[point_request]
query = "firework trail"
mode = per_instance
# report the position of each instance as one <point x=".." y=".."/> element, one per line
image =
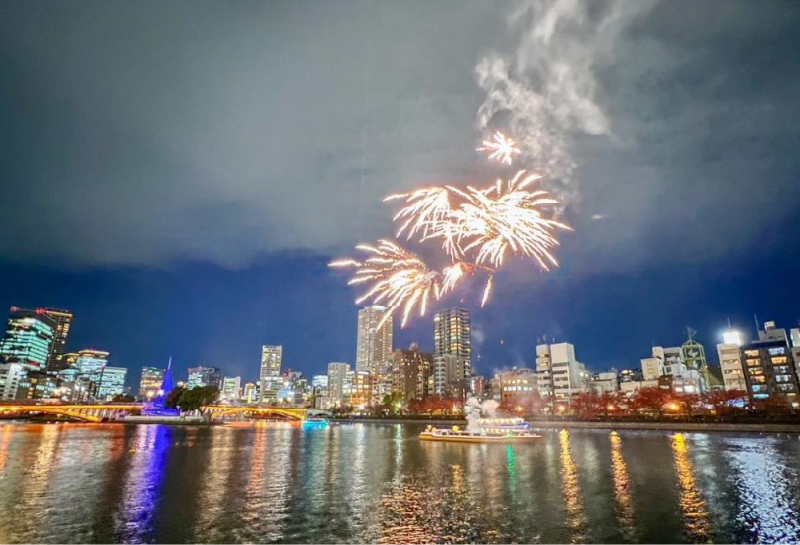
<point x="501" y="148"/>
<point x="478" y="229"/>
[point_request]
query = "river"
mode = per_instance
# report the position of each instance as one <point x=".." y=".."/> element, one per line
<point x="362" y="483"/>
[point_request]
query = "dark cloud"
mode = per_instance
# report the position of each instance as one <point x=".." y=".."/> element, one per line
<point x="144" y="133"/>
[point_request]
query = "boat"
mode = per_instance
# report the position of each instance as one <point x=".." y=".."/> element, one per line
<point x="483" y="434"/>
<point x="315" y="422"/>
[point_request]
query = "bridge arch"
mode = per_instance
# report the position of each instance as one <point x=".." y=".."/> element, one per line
<point x="292" y="414"/>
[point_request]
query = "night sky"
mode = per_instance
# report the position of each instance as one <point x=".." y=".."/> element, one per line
<point x="178" y="174"/>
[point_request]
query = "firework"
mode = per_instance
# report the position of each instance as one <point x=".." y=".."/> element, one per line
<point x="500" y="148"/>
<point x="478" y="229"/>
<point x="398" y="278"/>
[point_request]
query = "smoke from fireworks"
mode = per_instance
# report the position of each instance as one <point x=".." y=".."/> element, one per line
<point x="478" y="229"/>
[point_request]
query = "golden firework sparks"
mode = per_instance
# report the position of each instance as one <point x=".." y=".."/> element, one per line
<point x="500" y="148"/>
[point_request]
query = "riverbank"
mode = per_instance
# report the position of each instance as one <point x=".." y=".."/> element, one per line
<point x="643" y="425"/>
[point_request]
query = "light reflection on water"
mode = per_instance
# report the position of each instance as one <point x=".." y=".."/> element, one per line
<point x="378" y="483"/>
<point x="691" y="502"/>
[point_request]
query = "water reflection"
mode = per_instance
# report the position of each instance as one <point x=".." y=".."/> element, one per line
<point x="5" y="441"/>
<point x="215" y="480"/>
<point x="142" y="491"/>
<point x="622" y="489"/>
<point x="692" y="505"/>
<point x="769" y="508"/>
<point x="573" y="502"/>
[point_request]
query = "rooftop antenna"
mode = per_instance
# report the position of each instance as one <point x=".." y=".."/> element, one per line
<point x="729" y="323"/>
<point x="169" y="365"/>
<point x="755" y="317"/>
<point x="690" y="332"/>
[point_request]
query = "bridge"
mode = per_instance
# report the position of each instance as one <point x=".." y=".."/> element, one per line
<point x="112" y="411"/>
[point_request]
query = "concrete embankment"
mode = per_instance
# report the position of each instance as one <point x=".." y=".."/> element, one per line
<point x="663" y="426"/>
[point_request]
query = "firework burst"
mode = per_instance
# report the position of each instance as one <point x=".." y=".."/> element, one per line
<point x="500" y="148"/>
<point x="478" y="230"/>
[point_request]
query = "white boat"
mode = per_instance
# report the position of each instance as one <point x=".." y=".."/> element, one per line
<point x="484" y="434"/>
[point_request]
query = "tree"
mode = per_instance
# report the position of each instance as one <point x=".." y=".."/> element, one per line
<point x="172" y="398"/>
<point x="688" y="402"/>
<point x="652" y="399"/>
<point x="123" y="398"/>
<point x="197" y="398"/>
<point x="723" y="400"/>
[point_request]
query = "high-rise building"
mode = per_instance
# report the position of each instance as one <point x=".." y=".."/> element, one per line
<point x="357" y="388"/>
<point x="560" y="374"/>
<point x="231" y="388"/>
<point x="730" y="361"/>
<point x="27" y="339"/>
<point x="62" y="319"/>
<point x="112" y="382"/>
<point x="11" y="374"/>
<point x="320" y="384"/>
<point x="452" y="352"/>
<point x="249" y="393"/>
<point x="270" y="377"/>
<point x="90" y="362"/>
<point x="373" y="345"/>
<point x="150" y="382"/>
<point x="770" y="366"/>
<point x="204" y="376"/>
<point x="336" y="375"/>
<point x="411" y="370"/>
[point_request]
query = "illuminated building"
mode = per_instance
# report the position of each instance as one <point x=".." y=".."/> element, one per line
<point x="452" y="352"/>
<point x="652" y="368"/>
<point x="249" y="393"/>
<point x="337" y="372"/>
<point x="671" y="359"/>
<point x="694" y="355"/>
<point x="560" y="374"/>
<point x="150" y="382"/>
<point x="477" y="385"/>
<point x="27" y="339"/>
<point x="770" y="371"/>
<point x="320" y="384"/>
<point x="271" y="359"/>
<point x="730" y="361"/>
<point x="11" y="374"/>
<point x="204" y="376"/>
<point x="607" y="382"/>
<point x="37" y="385"/>
<point x="373" y="345"/>
<point x="231" y="388"/>
<point x="411" y="370"/>
<point x="91" y="361"/>
<point x="62" y="319"/>
<point x="112" y="382"/>
<point x="357" y="388"/>
<point x="517" y="386"/>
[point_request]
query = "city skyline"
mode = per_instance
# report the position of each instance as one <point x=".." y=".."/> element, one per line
<point x="206" y="250"/>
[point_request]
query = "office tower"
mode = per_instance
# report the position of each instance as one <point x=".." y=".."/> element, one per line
<point x="150" y="382"/>
<point x="373" y="345"/>
<point x="112" y="382"/>
<point x="336" y="376"/>
<point x="231" y="388"/>
<point x="27" y="339"/>
<point x="90" y="362"/>
<point x="452" y="352"/>
<point x="62" y="319"/>
<point x="559" y="374"/>
<point x="730" y="361"/>
<point x="411" y="370"/>
<point x="204" y="376"/>
<point x="271" y="358"/>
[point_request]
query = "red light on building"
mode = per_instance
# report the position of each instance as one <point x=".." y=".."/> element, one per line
<point x="40" y="311"/>
<point x="14" y="309"/>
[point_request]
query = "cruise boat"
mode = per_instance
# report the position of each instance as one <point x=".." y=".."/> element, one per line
<point x="487" y="433"/>
<point x="315" y="422"/>
<point x="504" y="423"/>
